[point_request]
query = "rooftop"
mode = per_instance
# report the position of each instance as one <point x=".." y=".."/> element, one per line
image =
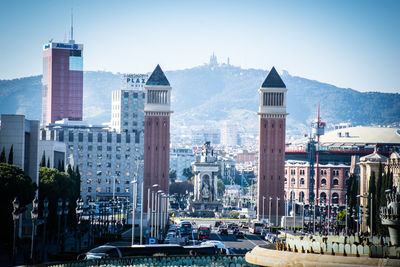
<point x="362" y="136"/>
<point x="273" y="80"/>
<point x="158" y="78"/>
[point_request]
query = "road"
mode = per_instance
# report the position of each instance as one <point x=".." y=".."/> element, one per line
<point x="236" y="246"/>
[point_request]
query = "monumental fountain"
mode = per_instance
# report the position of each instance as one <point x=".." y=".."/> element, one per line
<point x="204" y="202"/>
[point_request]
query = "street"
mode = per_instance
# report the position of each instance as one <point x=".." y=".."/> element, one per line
<point x="236" y="246"/>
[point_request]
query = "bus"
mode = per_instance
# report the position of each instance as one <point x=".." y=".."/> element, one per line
<point x="203" y="232"/>
<point x="256" y="227"/>
<point x="185" y="228"/>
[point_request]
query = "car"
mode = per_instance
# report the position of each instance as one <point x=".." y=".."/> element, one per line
<point x="239" y="234"/>
<point x="217" y="244"/>
<point x="232" y="225"/>
<point x="245" y="226"/>
<point x="223" y="231"/>
<point x="218" y="223"/>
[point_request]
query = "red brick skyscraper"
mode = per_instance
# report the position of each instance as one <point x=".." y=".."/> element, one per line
<point x="271" y="160"/>
<point x="157" y="109"/>
<point x="62" y="83"/>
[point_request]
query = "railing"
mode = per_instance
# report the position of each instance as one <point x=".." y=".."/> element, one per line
<point x="226" y="260"/>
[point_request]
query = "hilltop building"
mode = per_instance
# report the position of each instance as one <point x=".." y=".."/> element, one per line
<point x="62" y="82"/>
<point x="271" y="159"/>
<point x="157" y="110"/>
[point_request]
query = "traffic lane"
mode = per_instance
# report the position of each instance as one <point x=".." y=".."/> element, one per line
<point x="249" y="241"/>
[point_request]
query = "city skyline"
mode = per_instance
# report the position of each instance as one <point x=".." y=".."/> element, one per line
<point x="348" y="44"/>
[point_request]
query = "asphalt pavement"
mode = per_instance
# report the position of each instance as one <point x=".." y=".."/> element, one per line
<point x="235" y="245"/>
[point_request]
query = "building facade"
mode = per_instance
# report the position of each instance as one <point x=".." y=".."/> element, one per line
<point x="108" y="161"/>
<point x="271" y="159"/>
<point x="23" y="136"/>
<point x="127" y="105"/>
<point x="62" y="82"/>
<point x="180" y="159"/>
<point x="157" y="110"/>
<point x="332" y="182"/>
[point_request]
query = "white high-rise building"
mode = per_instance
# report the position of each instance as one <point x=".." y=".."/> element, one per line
<point x="127" y="105"/>
<point x="229" y="134"/>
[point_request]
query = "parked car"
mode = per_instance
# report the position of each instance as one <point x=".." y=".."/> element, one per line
<point x="223" y="231"/>
<point x="239" y="234"/>
<point x="218" y="223"/>
<point x="245" y="226"/>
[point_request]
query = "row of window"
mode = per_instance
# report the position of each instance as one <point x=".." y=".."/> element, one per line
<point x="72" y="136"/>
<point x="273" y="99"/>
<point x="107" y="181"/>
<point x="108" y="189"/>
<point x="322" y="172"/>
<point x="322" y="197"/>
<point x="157" y="97"/>
<point x="99" y="148"/>
<point x="108" y="173"/>
<point x="323" y="181"/>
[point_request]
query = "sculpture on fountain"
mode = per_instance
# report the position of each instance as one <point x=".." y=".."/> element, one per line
<point x="205" y="198"/>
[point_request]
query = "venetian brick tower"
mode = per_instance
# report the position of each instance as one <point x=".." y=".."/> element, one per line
<point x="271" y="158"/>
<point x="157" y="110"/>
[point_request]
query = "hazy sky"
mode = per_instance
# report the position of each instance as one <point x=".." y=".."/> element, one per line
<point x="353" y="44"/>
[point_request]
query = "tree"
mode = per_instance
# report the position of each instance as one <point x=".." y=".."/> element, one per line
<point x="188" y="172"/>
<point x="380" y="185"/>
<point x="372" y="191"/>
<point x="220" y="187"/>
<point x="48" y="163"/>
<point x="3" y="156"/>
<point x="13" y="183"/>
<point x="43" y="160"/>
<point x="11" y="155"/>
<point x="78" y="180"/>
<point x="352" y="192"/>
<point x="172" y="176"/>
<point x="234" y="215"/>
<point x="181" y="191"/>
<point x="53" y="185"/>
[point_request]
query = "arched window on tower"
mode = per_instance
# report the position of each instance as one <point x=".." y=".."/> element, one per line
<point x="301" y="197"/>
<point x="322" y="197"/>
<point x="335" y="198"/>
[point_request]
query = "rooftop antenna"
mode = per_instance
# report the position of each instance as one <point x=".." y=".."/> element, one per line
<point x="72" y="26"/>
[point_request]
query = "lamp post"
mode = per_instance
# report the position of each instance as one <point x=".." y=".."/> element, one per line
<point x="59" y="213"/>
<point x="45" y="215"/>
<point x="269" y="211"/>
<point x="15" y="215"/>
<point x="152" y="214"/>
<point x="370" y="197"/>
<point x="34" y="216"/>
<point x="66" y="204"/>
<point x="346" y="217"/>
<point x="78" y="211"/>
<point x="263" y="208"/>
<point x="277" y="213"/>
<point x="134" y="182"/>
<point x="158" y="208"/>
<point x="141" y="212"/>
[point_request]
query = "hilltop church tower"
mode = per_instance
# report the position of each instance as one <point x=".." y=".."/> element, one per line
<point x="157" y="110"/>
<point x="271" y="158"/>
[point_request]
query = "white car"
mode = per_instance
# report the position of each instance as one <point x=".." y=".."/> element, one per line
<point x="216" y="243"/>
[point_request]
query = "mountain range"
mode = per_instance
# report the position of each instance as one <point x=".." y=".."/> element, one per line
<point x="203" y="96"/>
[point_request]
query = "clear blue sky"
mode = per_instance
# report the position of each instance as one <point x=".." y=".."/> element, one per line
<point x="353" y="44"/>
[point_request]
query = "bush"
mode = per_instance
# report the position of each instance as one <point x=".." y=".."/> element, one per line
<point x="234" y="215"/>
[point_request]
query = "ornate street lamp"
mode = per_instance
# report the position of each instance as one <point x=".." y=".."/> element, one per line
<point x="34" y="216"/>
<point x="59" y="213"/>
<point x="45" y="215"/>
<point x="15" y="214"/>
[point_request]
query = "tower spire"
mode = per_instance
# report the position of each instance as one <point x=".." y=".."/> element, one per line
<point x="71" y="40"/>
